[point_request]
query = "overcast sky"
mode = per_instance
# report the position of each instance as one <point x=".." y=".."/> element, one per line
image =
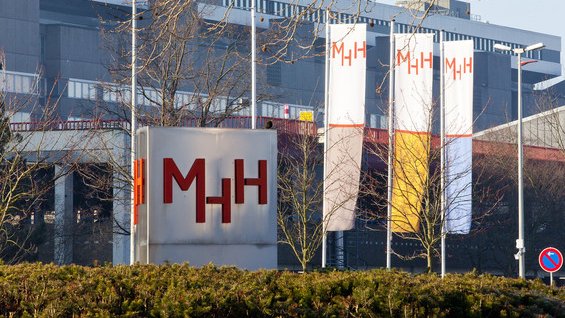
<point x="544" y="16"/>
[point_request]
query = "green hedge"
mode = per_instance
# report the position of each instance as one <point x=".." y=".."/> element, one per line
<point x="182" y="291"/>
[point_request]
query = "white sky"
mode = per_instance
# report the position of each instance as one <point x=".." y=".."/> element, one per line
<point x="544" y="16"/>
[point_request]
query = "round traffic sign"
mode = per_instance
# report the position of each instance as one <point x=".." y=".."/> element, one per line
<point x="550" y="259"/>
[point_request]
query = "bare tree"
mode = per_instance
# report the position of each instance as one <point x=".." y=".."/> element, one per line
<point x="417" y="193"/>
<point x="194" y="60"/>
<point x="24" y="170"/>
<point x="300" y="196"/>
<point x="189" y="68"/>
<point x="301" y="183"/>
<point x="16" y="189"/>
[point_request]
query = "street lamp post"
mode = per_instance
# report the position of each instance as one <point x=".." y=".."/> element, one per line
<point x="133" y="125"/>
<point x="253" y="67"/>
<point x="520" y="256"/>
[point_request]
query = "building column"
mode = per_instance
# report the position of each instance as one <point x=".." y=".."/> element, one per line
<point x="64" y="216"/>
<point x="121" y="202"/>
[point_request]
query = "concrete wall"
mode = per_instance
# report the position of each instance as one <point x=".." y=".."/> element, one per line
<point x="492" y="92"/>
<point x="19" y="35"/>
<point x="73" y="52"/>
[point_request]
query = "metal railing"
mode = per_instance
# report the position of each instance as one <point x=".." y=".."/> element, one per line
<point x="69" y="125"/>
<point x="283" y="125"/>
<point x="293" y="126"/>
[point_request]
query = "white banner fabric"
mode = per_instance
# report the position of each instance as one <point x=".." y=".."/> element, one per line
<point x="348" y="60"/>
<point x="458" y="184"/>
<point x="413" y="82"/>
<point x="346" y="119"/>
<point x="458" y="80"/>
<point x="343" y="162"/>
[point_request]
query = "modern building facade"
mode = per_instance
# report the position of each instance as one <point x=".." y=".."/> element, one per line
<point x="59" y="44"/>
<point x="54" y="50"/>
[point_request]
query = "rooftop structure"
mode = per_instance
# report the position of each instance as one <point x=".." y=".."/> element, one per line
<point x="454" y="8"/>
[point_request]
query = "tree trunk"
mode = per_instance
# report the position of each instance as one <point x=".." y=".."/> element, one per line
<point x="429" y="260"/>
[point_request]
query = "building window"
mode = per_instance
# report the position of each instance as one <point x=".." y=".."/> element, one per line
<point x="116" y="94"/>
<point x="20" y="83"/>
<point x="148" y="97"/>
<point x="109" y="95"/>
<point x="185" y="100"/>
<point x="20" y="117"/>
<point x="81" y="89"/>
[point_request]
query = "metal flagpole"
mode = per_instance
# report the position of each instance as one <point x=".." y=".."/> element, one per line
<point x="326" y="109"/>
<point x="442" y="151"/>
<point x="520" y="241"/>
<point x="253" y="67"/>
<point x="339" y="250"/>
<point x="390" y="148"/>
<point x="133" y="124"/>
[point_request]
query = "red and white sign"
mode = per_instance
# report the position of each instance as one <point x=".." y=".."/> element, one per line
<point x="550" y="259"/>
<point x="206" y="195"/>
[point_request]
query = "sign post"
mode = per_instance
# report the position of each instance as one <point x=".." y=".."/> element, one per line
<point x="551" y="260"/>
<point x="206" y="195"/>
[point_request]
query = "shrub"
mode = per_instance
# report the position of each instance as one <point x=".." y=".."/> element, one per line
<point x="184" y="291"/>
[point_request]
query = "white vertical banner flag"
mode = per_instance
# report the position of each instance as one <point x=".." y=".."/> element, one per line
<point x="346" y="119"/>
<point x="413" y="81"/>
<point x="458" y="72"/>
<point x="413" y="104"/>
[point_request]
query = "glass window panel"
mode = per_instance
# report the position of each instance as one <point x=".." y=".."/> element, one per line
<point x="26" y="85"/>
<point x="71" y="89"/>
<point x="92" y="91"/>
<point x="85" y="91"/>
<point x="18" y="84"/>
